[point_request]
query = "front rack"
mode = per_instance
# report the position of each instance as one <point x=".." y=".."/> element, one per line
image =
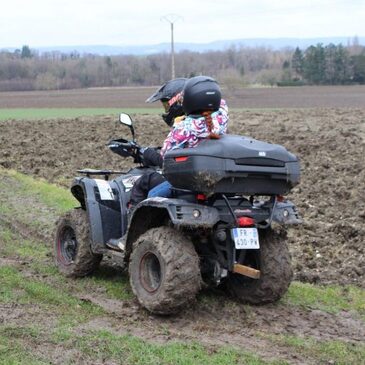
<point x="105" y="173"/>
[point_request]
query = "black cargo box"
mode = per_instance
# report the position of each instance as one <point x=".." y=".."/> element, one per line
<point x="233" y="164"/>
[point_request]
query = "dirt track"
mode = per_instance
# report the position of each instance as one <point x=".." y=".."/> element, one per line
<point x="328" y="247"/>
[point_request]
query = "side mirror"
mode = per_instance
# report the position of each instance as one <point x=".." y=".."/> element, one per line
<point x="127" y="120"/>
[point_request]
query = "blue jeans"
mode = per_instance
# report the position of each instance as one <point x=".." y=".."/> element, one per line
<point x="163" y="190"/>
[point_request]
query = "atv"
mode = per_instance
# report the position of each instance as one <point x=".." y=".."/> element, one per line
<point x="215" y="230"/>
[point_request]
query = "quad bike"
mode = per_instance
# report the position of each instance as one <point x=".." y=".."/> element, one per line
<point x="215" y="230"/>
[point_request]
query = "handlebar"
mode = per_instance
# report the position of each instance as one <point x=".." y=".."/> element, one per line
<point x="126" y="148"/>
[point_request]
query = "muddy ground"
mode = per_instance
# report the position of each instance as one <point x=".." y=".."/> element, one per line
<point x="327" y="248"/>
<point x="214" y="320"/>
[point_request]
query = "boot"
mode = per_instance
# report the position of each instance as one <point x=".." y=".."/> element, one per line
<point x="116" y="244"/>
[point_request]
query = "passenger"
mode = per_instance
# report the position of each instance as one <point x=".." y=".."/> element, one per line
<point x="206" y="116"/>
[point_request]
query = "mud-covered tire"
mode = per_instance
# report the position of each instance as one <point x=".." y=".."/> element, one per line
<point x="273" y="260"/>
<point x="72" y="251"/>
<point x="164" y="270"/>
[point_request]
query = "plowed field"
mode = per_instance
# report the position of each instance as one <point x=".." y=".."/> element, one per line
<point x="328" y="247"/>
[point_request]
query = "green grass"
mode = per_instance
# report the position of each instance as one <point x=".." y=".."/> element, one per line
<point x="133" y="351"/>
<point x="115" y="283"/>
<point x="6" y="237"/>
<point x="69" y="312"/>
<point x="24" y="248"/>
<point x="12" y="350"/>
<point x="325" y="352"/>
<point x="329" y="298"/>
<point x="50" y="113"/>
<point x="51" y="195"/>
<point x="24" y="290"/>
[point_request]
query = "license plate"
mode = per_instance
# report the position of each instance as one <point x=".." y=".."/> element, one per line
<point x="245" y="238"/>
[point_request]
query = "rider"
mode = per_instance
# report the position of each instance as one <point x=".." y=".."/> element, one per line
<point x="170" y="96"/>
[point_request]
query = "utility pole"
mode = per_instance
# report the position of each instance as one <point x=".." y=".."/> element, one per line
<point x="172" y="18"/>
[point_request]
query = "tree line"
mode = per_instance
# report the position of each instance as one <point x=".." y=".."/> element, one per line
<point x="326" y="65"/>
<point x="26" y="69"/>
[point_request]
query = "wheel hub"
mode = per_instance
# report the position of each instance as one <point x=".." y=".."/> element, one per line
<point x="150" y="272"/>
<point x="67" y="245"/>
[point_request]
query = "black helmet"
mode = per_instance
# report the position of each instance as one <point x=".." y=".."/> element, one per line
<point x="167" y="93"/>
<point x="201" y="93"/>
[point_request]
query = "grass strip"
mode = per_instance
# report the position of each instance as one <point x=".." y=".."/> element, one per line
<point x="51" y="195"/>
<point x="104" y="346"/>
<point x="14" y="246"/>
<point x="133" y="351"/>
<point x="325" y="352"/>
<point x="329" y="298"/>
<point x="12" y="350"/>
<point x="51" y="113"/>
<point x="23" y="290"/>
<point x="70" y="312"/>
<point x="113" y="281"/>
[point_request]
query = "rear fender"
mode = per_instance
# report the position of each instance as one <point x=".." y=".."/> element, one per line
<point x="105" y="203"/>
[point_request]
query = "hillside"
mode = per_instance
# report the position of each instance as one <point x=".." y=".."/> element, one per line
<point x="219" y="45"/>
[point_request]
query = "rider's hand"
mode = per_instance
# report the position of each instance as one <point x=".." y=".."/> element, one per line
<point x="143" y="156"/>
<point x="138" y="156"/>
<point x="151" y="157"/>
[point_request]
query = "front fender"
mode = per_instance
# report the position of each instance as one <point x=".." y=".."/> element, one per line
<point x="105" y="204"/>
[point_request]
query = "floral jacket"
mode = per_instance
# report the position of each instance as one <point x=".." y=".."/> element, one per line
<point x="192" y="129"/>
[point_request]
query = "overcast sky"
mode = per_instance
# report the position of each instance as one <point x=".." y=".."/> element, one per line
<point x="128" y="22"/>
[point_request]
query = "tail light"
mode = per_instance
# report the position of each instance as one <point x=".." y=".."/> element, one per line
<point x="201" y="197"/>
<point x="245" y="222"/>
<point x="181" y="158"/>
<point x="280" y="198"/>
